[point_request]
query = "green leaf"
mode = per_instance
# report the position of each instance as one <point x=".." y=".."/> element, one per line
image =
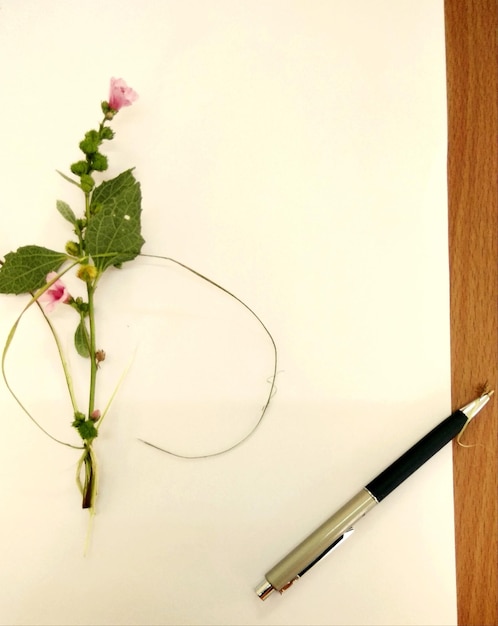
<point x="113" y="233"/>
<point x="86" y="429"/>
<point x="69" y="180"/>
<point x="66" y="211"/>
<point x="26" y="269"/>
<point x="82" y="340"/>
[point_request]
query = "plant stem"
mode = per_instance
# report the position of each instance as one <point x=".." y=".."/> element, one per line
<point x="89" y="487"/>
<point x="93" y="362"/>
<point x="87" y="206"/>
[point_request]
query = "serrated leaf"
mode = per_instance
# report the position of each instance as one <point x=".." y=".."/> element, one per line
<point x="66" y="211"/>
<point x="82" y="340"/>
<point x="26" y="269"/>
<point x="113" y="234"/>
<point x="87" y="430"/>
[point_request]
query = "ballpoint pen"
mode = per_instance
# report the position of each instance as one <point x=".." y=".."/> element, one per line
<point x="339" y="527"/>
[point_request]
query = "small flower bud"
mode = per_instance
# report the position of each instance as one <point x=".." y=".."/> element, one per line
<point x="99" y="357"/>
<point x="91" y="142"/>
<point x="99" y="162"/>
<point x="79" y="305"/>
<point x="78" y="418"/>
<point x="73" y="249"/>
<point x="95" y="415"/>
<point x="87" y="273"/>
<point x="107" y="133"/>
<point x="79" y="168"/>
<point x="83" y="307"/>
<point x="87" y="183"/>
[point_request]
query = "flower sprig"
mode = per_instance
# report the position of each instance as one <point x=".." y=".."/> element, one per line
<point x="108" y="234"/>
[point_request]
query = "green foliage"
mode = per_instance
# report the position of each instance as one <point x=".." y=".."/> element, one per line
<point x="69" y="180"/>
<point x="86" y="428"/>
<point x="113" y="234"/>
<point x="66" y="211"/>
<point x="82" y="340"/>
<point x="26" y="269"/>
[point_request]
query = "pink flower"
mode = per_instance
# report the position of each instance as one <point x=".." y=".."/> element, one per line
<point x="55" y="293"/>
<point x="120" y="95"/>
<point x="95" y="415"/>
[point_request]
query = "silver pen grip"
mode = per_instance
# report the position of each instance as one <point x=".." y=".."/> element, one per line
<point x="309" y="551"/>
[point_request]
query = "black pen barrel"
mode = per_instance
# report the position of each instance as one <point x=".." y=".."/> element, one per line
<point x="416" y="456"/>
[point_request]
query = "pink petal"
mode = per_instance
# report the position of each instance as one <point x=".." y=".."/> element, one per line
<point x="120" y="95"/>
<point x="55" y="293"/>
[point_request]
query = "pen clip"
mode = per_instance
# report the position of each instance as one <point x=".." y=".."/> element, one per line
<point x="347" y="533"/>
<point x="266" y="588"/>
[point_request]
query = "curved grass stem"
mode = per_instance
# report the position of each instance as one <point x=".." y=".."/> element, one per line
<point x="272" y="378"/>
<point x="6" y="347"/>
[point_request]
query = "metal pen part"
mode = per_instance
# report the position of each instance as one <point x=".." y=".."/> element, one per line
<point x="264" y="589"/>
<point x="471" y="409"/>
<point x="321" y="542"/>
<point x="327" y="551"/>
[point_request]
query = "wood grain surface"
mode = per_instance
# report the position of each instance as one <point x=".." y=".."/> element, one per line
<point x="472" y="66"/>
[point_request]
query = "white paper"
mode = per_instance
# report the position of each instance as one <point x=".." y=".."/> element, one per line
<point x="294" y="152"/>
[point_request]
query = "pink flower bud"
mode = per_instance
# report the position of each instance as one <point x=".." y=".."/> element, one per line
<point x="55" y="294"/>
<point x="95" y="415"/>
<point x="120" y="95"/>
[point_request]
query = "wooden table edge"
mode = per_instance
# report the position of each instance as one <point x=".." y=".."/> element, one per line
<point x="472" y="66"/>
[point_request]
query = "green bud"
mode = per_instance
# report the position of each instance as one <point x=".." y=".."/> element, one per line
<point x="107" y="111"/>
<point x="99" y="162"/>
<point x="87" y="273"/>
<point x="79" y="168"/>
<point x="81" y="224"/>
<point x="87" y="183"/>
<point x="80" y="306"/>
<point x="107" y="133"/>
<point x="73" y="248"/>
<point x="91" y="142"/>
<point x="78" y="419"/>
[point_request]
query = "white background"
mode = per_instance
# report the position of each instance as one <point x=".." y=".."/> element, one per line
<point x="294" y="151"/>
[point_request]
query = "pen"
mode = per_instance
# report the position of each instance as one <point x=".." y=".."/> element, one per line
<point x="338" y="528"/>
